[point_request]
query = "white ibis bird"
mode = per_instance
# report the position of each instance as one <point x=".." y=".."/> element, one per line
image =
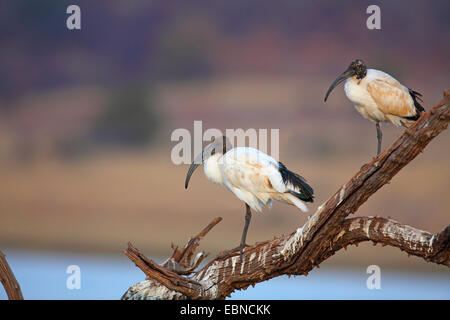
<point x="379" y="97"/>
<point x="253" y="176"/>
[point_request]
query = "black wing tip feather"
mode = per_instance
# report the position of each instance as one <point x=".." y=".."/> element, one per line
<point x="416" y="96"/>
<point x="303" y="197"/>
<point x="307" y="192"/>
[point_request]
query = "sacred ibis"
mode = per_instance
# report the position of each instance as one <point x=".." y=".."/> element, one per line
<point x="379" y="97"/>
<point x="253" y="176"/>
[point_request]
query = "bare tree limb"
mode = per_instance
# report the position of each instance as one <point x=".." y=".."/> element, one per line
<point x="169" y="279"/>
<point x="324" y="233"/>
<point x="8" y="280"/>
<point x="432" y="247"/>
<point x="180" y="262"/>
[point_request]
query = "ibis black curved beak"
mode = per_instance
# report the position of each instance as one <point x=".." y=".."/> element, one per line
<point x="345" y="75"/>
<point x="194" y="165"/>
<point x="189" y="174"/>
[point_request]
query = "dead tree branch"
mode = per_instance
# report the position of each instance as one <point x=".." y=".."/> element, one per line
<point x="431" y="247"/>
<point x="8" y="280"/>
<point x="323" y="234"/>
<point x="180" y="261"/>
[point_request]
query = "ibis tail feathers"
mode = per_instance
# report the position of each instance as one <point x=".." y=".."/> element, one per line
<point x="416" y="96"/>
<point x="293" y="199"/>
<point x="296" y="184"/>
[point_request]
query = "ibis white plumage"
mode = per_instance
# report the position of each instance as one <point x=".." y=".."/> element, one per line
<point x="379" y="97"/>
<point x="252" y="176"/>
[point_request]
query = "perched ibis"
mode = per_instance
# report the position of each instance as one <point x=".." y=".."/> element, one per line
<point x="253" y="176"/>
<point x="378" y="97"/>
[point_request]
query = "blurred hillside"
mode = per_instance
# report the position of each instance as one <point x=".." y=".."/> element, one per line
<point x="86" y="116"/>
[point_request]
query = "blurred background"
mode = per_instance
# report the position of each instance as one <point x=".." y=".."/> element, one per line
<point x="86" y="118"/>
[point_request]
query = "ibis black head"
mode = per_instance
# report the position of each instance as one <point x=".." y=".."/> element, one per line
<point x="356" y="68"/>
<point x="218" y="146"/>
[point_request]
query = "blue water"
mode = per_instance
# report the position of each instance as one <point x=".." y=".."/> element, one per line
<point x="43" y="276"/>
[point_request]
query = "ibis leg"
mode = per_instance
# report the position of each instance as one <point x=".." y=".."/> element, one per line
<point x="379" y="138"/>
<point x="248" y="217"/>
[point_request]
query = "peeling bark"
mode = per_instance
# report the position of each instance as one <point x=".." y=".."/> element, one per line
<point x="431" y="247"/>
<point x="324" y="233"/>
